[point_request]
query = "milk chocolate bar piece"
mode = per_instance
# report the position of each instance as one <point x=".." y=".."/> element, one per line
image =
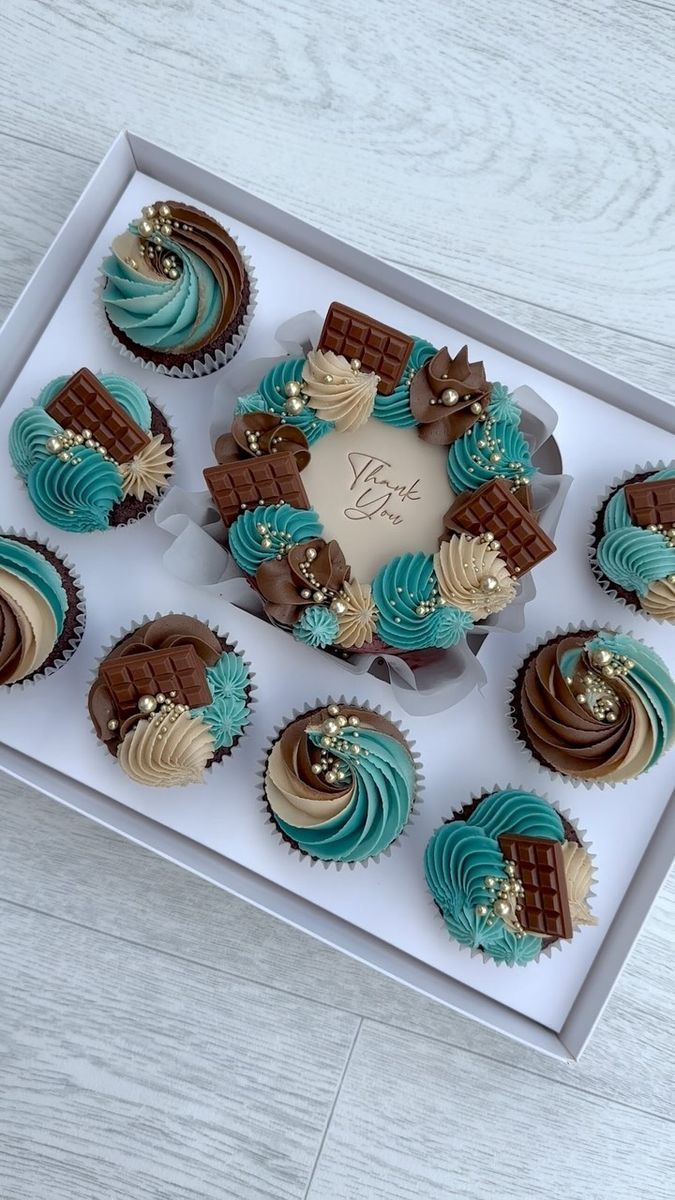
<point x="84" y="403"/>
<point x="540" y="867"/>
<point x="379" y="347"/>
<point x="495" y="509"/>
<point x="651" y="503"/>
<point x="178" y="669"/>
<point x="246" y="483"/>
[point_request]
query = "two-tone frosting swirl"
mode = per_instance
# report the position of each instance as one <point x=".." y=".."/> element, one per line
<point x="463" y="859"/>
<point x="176" y="284"/>
<point x="640" y="561"/>
<point x="340" y="783"/>
<point x="596" y="706"/>
<point x="33" y="607"/>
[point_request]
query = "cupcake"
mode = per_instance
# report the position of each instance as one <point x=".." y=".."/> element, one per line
<point x="93" y="451"/>
<point x="340" y="783"/>
<point x="41" y="609"/>
<point x="595" y="706"/>
<point x="633" y="551"/>
<point x="509" y="876"/>
<point x="170" y="698"/>
<point x="178" y="294"/>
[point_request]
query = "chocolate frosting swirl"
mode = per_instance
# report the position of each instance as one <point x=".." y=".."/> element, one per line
<point x="281" y="582"/>
<point x="258" y="433"/>
<point x="441" y="423"/>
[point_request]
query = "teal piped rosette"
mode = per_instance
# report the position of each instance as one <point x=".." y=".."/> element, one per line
<point x="462" y="854"/>
<point x="651" y="680"/>
<point x="32" y="568"/>
<point x="405" y="585"/>
<point x="470" y="461"/>
<point x="395" y="408"/>
<point x="317" y="627"/>
<point x="228" y="713"/>
<point x="283" y="526"/>
<point x="79" y="495"/>
<point x="382" y="774"/>
<point x="628" y="555"/>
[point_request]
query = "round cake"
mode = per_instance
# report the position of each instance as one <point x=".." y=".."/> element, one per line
<point x="340" y="783"/>
<point x="93" y="452"/>
<point x="509" y="876"/>
<point x="177" y="290"/>
<point x="41" y="609"/>
<point x="595" y="706"/>
<point x="376" y="492"/>
<point x="170" y="698"/>
<point x="633" y="550"/>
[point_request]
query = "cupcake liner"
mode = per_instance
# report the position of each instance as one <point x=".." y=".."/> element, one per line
<point x="68" y="649"/>
<point x="197" y="367"/>
<point x="124" y="632"/>
<point x="512" y="713"/>
<point x="595" y="534"/>
<point x="293" y="850"/>
<point x="581" y="836"/>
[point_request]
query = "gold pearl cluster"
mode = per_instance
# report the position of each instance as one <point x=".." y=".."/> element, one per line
<point x="65" y="445"/>
<point x="495" y="455"/>
<point x="505" y="899"/>
<point x="492" y="543"/>
<point x="162" y="710"/>
<point x="595" y="693"/>
<point x="315" y="591"/>
<point x="667" y="532"/>
<point x="269" y="536"/>
<point x="156" y="224"/>
<point x="332" y="739"/>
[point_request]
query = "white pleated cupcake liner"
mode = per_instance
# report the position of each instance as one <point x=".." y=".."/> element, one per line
<point x="592" y="628"/>
<point x="71" y="646"/>
<point x="603" y="580"/>
<point x="198" y="367"/>
<point x="125" y="631"/>
<point x="152" y="501"/>
<point x="560" y="943"/>
<point x="302" y="855"/>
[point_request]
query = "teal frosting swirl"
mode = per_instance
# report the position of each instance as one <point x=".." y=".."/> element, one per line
<point x="317" y="626"/>
<point x="403" y="584"/>
<point x="628" y="555"/>
<point x="284" y="526"/>
<point x="271" y="388"/>
<point x="252" y="402"/>
<point x="395" y="409"/>
<point x="76" y="496"/>
<point x="163" y="314"/>
<point x="228" y="712"/>
<point x="651" y="680"/>
<point x="383" y="778"/>
<point x="469" y="461"/>
<point x="28" y="436"/>
<point x="30" y="566"/>
<point x="502" y="406"/>
<point x="462" y="854"/>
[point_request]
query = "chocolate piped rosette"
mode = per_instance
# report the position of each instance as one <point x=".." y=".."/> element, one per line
<point x="376" y="493"/>
<point x="510" y="877"/>
<point x="93" y="451"/>
<point x="178" y="291"/>
<point x="633" y="543"/>
<point x="340" y="782"/>
<point x="595" y="706"/>
<point x="42" y="610"/>
<point x="169" y="699"/>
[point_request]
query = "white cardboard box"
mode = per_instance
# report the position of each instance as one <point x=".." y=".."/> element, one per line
<point x="381" y="914"/>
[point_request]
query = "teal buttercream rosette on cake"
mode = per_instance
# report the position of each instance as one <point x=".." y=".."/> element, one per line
<point x="510" y="877"/>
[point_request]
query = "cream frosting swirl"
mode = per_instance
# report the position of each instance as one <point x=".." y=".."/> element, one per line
<point x="337" y="392"/>
<point x="147" y="472"/>
<point x="659" y="599"/>
<point x="171" y="753"/>
<point x="473" y="577"/>
<point x="357" y="623"/>
<point x="579" y="878"/>
<point x="33" y="606"/>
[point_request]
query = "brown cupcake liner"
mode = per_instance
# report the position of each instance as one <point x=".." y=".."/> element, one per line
<point x="611" y="589"/>
<point x="75" y="621"/>
<point x="228" y="645"/>
<point x="513" y="715"/>
<point x="290" y="846"/>
<point x="580" y="835"/>
<point x="197" y="367"/>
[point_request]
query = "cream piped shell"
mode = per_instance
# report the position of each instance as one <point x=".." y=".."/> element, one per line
<point x="176" y="759"/>
<point x="336" y="392"/>
<point x="659" y="600"/>
<point x="148" y="471"/>
<point x="578" y="873"/>
<point x="461" y="565"/>
<point x="356" y="625"/>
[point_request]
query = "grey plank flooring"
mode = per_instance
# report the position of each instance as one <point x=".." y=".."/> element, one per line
<point x="158" y="1038"/>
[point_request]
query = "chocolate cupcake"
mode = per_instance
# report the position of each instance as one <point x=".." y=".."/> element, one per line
<point x="595" y="706"/>
<point x="510" y="877"/>
<point x="170" y="698"/>
<point x="340" y="782"/>
<point x="178" y="291"/>
<point x="93" y="451"/>
<point x="41" y="609"/>
<point x="633" y="546"/>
